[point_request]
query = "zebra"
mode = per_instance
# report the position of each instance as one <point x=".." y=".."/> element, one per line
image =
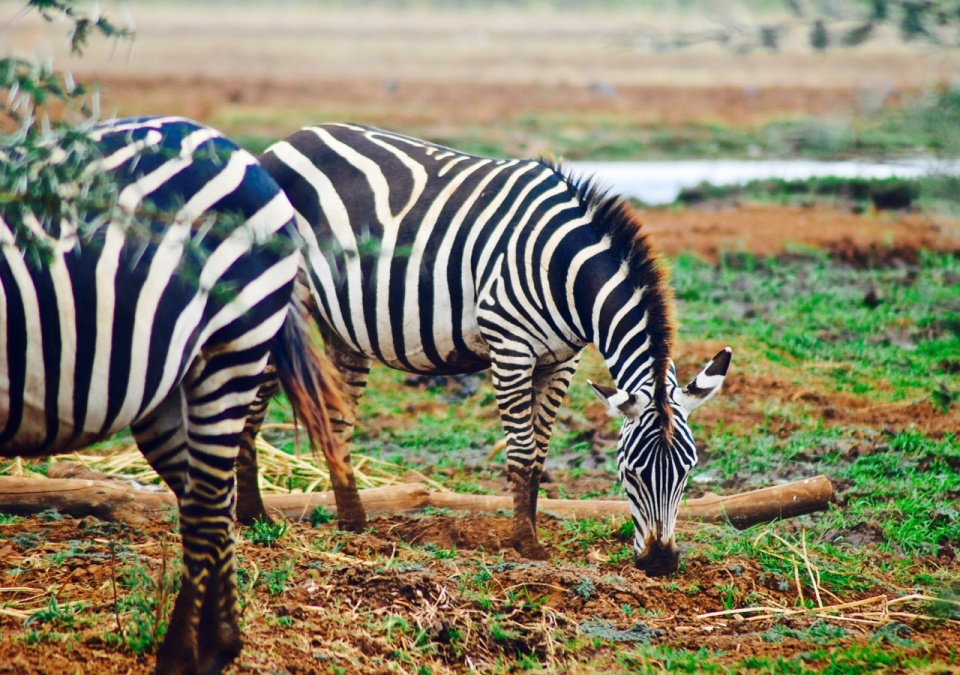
<point x="162" y="320"/>
<point x="431" y="260"/>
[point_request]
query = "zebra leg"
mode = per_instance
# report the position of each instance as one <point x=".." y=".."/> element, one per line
<point x="512" y="382"/>
<point x="249" y="501"/>
<point x="208" y="591"/>
<point x="550" y="384"/>
<point x="218" y="640"/>
<point x="162" y="439"/>
<point x="354" y="369"/>
<point x="201" y="474"/>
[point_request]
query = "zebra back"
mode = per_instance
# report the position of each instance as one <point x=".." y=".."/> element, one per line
<point x="98" y="334"/>
<point x="406" y="237"/>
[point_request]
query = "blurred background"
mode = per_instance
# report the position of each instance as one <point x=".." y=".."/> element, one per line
<point x="606" y="79"/>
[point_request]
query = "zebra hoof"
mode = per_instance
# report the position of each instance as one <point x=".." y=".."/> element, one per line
<point x="213" y="664"/>
<point x="352" y="515"/>
<point x="531" y="549"/>
<point x="356" y="525"/>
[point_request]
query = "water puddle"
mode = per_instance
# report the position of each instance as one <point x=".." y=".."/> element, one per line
<point x="661" y="182"/>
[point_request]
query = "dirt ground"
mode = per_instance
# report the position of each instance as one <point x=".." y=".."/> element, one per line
<point x="332" y="593"/>
<point x="269" y="72"/>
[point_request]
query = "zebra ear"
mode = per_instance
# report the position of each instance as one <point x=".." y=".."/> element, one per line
<point x="619" y="402"/>
<point x="705" y="384"/>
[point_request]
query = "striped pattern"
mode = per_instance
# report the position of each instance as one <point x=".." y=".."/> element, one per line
<point x="161" y="320"/>
<point x="434" y="261"/>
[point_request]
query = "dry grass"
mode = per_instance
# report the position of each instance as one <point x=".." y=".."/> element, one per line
<point x="280" y="472"/>
<point x="876" y="610"/>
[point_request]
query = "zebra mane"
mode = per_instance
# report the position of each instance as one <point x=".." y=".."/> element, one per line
<point x="615" y="217"/>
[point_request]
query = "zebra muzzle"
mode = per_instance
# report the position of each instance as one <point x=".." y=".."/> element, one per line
<point x="657" y="559"/>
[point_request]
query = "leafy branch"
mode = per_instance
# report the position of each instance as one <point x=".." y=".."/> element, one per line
<point x="825" y="24"/>
<point x="45" y="184"/>
<point x="83" y="25"/>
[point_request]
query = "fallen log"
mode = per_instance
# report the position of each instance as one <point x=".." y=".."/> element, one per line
<point x="118" y="501"/>
<point x="741" y="510"/>
<point x="112" y="500"/>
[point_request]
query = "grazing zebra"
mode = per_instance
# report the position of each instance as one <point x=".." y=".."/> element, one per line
<point x="434" y="261"/>
<point x="162" y="320"/>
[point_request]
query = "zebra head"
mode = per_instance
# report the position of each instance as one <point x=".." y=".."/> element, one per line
<point x="655" y="454"/>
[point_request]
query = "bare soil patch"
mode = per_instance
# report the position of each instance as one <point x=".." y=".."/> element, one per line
<point x="341" y="589"/>
<point x="870" y="239"/>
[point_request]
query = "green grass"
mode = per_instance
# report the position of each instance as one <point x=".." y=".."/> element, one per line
<point x="142" y="606"/>
<point x="265" y="532"/>
<point x="276" y="579"/>
<point x="860" y="193"/>
<point x="813" y="311"/>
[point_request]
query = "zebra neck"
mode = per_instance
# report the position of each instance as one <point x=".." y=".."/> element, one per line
<point x="630" y="345"/>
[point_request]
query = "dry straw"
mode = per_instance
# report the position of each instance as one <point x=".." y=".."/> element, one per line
<point x="876" y="610"/>
<point x="280" y="472"/>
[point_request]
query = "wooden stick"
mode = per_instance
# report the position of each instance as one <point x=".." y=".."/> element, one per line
<point x="112" y="500"/>
<point x="760" y="506"/>
<point x="741" y="510"/>
<point x="401" y="498"/>
<point x="115" y="500"/>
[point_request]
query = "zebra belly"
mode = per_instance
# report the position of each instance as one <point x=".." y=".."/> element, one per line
<point x="30" y="439"/>
<point x="32" y="431"/>
<point x="452" y="361"/>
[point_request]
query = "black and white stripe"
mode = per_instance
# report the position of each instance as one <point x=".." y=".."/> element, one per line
<point x="161" y="320"/>
<point x="434" y="261"/>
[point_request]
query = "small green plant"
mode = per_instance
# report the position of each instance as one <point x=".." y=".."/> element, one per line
<point x="621" y="555"/>
<point x="243" y="576"/>
<point x="894" y="634"/>
<point x="27" y="540"/>
<point x="587" y="532"/>
<point x="63" y="615"/>
<point x="728" y="595"/>
<point x="49" y="516"/>
<point x="440" y="553"/>
<point x="656" y="658"/>
<point x="276" y="579"/>
<point x="393" y="625"/>
<point x="820" y="632"/>
<point x="501" y="633"/>
<point x="605" y="630"/>
<point x="320" y="516"/>
<point x="585" y="588"/>
<point x="140" y="612"/>
<point x="529" y="662"/>
<point x="265" y="532"/>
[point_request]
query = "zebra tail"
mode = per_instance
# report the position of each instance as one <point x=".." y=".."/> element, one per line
<point x="312" y="384"/>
